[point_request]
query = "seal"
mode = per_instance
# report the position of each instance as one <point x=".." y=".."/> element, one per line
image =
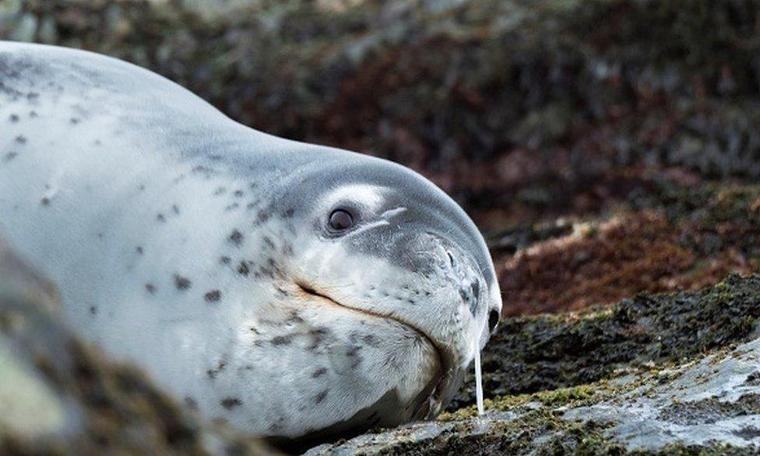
<point x="292" y="290"/>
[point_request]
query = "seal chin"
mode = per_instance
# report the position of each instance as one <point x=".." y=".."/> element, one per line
<point x="442" y="387"/>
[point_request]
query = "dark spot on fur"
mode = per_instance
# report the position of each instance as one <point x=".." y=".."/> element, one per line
<point x="74" y="121"/>
<point x="45" y="201"/>
<point x="213" y="296"/>
<point x="215" y="157"/>
<point x="225" y="260"/>
<point x="243" y="268"/>
<point x="238" y="193"/>
<point x="32" y="113"/>
<point x="268" y="241"/>
<point x="265" y="272"/>
<point x="150" y="288"/>
<point x="370" y="340"/>
<point x="182" y="283"/>
<point x="220" y="191"/>
<point x="190" y="403"/>
<point x="281" y="291"/>
<point x="161" y="218"/>
<point x="21" y="139"/>
<point x="10" y="156"/>
<point x="236" y="238"/>
<point x="282" y="340"/>
<point x="201" y="170"/>
<point x="262" y="217"/>
<point x="139" y="250"/>
<point x="353" y="353"/>
<point x="294" y="317"/>
<point x="317" y="337"/>
<point x="231" y="207"/>
<point x="289" y="212"/>
<point x="13" y="118"/>
<point x="175" y="209"/>
<point x="231" y="402"/>
<point x="213" y="373"/>
<point x="319" y="372"/>
<point x="93" y="310"/>
<point x="275" y="427"/>
<point x="320" y="397"/>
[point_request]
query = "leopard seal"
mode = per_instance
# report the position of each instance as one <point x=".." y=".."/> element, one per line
<point x="289" y="289"/>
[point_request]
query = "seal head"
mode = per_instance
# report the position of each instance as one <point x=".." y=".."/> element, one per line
<point x="381" y="242"/>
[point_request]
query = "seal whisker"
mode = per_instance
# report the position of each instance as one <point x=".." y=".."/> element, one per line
<point x="369" y="226"/>
<point x="393" y="212"/>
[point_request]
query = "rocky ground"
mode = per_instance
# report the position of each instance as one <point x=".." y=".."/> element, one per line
<point x="607" y="148"/>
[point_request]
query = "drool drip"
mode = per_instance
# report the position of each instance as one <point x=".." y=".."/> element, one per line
<point x="478" y="381"/>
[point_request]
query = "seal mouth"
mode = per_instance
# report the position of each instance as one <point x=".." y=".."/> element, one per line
<point x="441" y="386"/>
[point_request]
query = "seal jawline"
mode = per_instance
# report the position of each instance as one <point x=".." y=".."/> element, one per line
<point x="441" y="390"/>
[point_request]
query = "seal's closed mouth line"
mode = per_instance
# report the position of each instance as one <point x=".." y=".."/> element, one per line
<point x="311" y="291"/>
<point x="442" y="361"/>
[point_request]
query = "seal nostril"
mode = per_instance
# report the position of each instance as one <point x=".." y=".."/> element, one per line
<point x="493" y="319"/>
<point x="475" y="286"/>
<point x="451" y="257"/>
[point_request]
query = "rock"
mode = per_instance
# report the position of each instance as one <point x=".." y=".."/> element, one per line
<point x="59" y="395"/>
<point x="716" y="400"/>
<point x="686" y="380"/>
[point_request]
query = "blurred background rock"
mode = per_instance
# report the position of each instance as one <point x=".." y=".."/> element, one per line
<point x="605" y="147"/>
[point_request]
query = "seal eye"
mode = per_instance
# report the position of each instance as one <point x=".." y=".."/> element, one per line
<point x="341" y="220"/>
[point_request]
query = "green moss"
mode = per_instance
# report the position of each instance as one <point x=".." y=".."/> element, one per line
<point x="566" y="396"/>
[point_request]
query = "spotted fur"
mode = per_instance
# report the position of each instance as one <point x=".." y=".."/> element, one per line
<point x="198" y="249"/>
